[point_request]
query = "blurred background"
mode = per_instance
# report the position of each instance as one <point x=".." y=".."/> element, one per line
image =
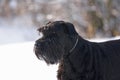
<point x="19" y="19"/>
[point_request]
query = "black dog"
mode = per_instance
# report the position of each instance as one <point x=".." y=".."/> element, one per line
<point x="78" y="59"/>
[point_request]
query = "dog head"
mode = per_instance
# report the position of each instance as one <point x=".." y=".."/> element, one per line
<point x="57" y="39"/>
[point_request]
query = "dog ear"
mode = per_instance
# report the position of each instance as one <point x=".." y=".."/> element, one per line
<point x="69" y="29"/>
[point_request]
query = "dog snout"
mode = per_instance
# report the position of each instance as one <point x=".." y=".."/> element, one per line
<point x="37" y="44"/>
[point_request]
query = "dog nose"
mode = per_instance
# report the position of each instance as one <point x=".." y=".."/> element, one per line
<point x="37" y="44"/>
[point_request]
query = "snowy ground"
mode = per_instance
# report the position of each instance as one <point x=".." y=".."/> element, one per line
<point x="18" y="62"/>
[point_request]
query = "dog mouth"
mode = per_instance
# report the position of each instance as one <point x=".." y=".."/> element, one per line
<point x="49" y="59"/>
<point x="41" y="56"/>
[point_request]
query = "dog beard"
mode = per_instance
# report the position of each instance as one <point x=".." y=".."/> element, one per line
<point x="51" y="50"/>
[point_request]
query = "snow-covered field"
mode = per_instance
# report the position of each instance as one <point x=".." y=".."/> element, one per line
<point x="18" y="62"/>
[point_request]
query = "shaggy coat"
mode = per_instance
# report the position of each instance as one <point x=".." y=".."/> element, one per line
<point x="78" y="58"/>
<point x="91" y="61"/>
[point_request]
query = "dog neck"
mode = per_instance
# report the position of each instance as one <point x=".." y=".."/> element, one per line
<point x="74" y="46"/>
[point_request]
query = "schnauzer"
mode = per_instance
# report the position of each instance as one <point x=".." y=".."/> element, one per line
<point x="78" y="58"/>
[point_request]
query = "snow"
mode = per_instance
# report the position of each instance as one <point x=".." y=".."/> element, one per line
<point x="18" y="62"/>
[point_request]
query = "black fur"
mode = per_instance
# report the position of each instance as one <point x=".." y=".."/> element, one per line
<point x="87" y="60"/>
